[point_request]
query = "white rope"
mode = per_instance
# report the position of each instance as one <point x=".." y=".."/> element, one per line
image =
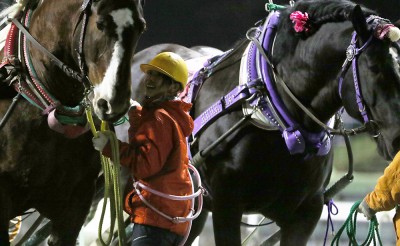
<point x="190" y="216"/>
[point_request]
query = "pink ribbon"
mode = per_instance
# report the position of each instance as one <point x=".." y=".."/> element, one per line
<point x="300" y="21"/>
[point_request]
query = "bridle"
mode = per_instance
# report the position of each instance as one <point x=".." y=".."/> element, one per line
<point x="81" y="76"/>
<point x="352" y="54"/>
<point x="41" y="95"/>
<point x="351" y="58"/>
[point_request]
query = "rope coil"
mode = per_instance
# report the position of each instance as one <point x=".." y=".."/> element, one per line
<point x="112" y="190"/>
<point x="350" y="225"/>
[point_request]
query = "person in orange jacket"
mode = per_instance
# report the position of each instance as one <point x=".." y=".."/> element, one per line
<point x="385" y="196"/>
<point x="157" y="153"/>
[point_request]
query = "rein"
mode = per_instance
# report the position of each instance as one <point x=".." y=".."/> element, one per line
<point x="10" y="110"/>
<point x="80" y="76"/>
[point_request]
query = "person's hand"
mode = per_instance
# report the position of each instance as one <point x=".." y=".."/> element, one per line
<point x="100" y="141"/>
<point x="134" y="104"/>
<point x="366" y="210"/>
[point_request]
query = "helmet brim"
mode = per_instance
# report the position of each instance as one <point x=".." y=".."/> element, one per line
<point x="147" y="67"/>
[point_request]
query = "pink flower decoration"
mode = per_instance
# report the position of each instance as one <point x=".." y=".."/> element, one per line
<point x="300" y="21"/>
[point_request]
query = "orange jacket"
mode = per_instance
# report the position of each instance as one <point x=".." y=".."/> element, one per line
<point x="386" y="194"/>
<point x="157" y="157"/>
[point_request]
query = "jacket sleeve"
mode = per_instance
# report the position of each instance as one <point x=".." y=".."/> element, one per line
<point x="386" y="194"/>
<point x="148" y="148"/>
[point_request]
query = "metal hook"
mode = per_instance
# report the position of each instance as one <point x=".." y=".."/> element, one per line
<point x="252" y="31"/>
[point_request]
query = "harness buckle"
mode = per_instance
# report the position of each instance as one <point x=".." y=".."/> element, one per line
<point x="351" y="52"/>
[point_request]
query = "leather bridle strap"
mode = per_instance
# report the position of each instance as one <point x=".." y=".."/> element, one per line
<point x="66" y="69"/>
<point x="352" y="54"/>
<point x="85" y="12"/>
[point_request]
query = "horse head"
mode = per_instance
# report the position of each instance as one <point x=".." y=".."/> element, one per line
<point x="116" y="27"/>
<point x="378" y="98"/>
<point x="357" y="48"/>
<point x="98" y="40"/>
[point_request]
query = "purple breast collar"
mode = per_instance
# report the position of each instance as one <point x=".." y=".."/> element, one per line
<point x="298" y="140"/>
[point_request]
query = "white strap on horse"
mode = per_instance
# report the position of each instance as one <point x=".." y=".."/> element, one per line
<point x="191" y="216"/>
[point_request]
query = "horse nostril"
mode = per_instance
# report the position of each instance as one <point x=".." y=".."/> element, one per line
<point x="102" y="104"/>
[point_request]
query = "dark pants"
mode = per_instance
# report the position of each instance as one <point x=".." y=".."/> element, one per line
<point x="145" y="235"/>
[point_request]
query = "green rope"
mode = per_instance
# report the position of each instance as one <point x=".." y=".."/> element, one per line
<point x="121" y="121"/>
<point x="272" y="7"/>
<point x="351" y="229"/>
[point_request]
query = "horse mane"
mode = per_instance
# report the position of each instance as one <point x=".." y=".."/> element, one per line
<point x="319" y="13"/>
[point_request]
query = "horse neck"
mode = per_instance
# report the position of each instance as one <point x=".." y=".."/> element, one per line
<point x="311" y="70"/>
<point x="53" y="24"/>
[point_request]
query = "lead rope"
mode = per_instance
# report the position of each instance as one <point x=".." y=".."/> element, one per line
<point x="112" y="188"/>
<point x="332" y="210"/>
<point x="350" y="225"/>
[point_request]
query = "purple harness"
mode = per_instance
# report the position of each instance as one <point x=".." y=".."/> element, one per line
<point x="352" y="54"/>
<point x="298" y="140"/>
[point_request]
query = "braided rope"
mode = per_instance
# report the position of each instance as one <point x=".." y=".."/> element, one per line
<point x="351" y="229"/>
<point x="112" y="188"/>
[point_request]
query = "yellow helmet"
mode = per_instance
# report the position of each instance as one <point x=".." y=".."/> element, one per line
<point x="170" y="64"/>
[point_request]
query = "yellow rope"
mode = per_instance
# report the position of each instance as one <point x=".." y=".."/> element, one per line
<point x="112" y="190"/>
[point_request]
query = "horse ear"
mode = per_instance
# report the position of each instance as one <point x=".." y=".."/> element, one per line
<point x="360" y="23"/>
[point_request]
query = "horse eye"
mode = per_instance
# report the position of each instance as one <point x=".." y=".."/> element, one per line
<point x="100" y="25"/>
<point x="375" y="69"/>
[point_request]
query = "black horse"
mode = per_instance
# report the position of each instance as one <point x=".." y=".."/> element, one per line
<point x="76" y="54"/>
<point x="282" y="172"/>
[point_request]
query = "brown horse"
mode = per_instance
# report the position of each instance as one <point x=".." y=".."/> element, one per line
<point x="75" y="55"/>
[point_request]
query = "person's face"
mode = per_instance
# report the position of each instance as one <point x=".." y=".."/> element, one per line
<point x="154" y="84"/>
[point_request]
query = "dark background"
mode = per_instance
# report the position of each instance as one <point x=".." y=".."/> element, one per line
<point x="218" y="23"/>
